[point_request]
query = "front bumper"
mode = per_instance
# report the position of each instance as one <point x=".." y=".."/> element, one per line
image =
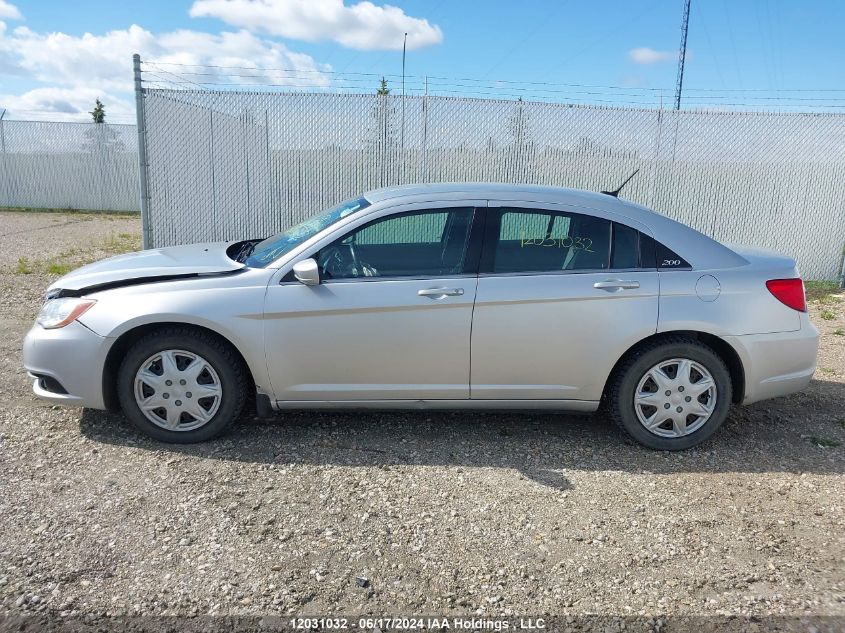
<point x="777" y="364"/>
<point x="72" y="357"/>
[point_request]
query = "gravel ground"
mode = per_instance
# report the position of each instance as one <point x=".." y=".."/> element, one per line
<point x="401" y="513"/>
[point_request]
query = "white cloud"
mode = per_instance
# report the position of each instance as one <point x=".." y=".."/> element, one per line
<point x="105" y="61"/>
<point x="362" y="25"/>
<point x="254" y="60"/>
<point x="66" y="104"/>
<point x="101" y="61"/>
<point x="99" y="65"/>
<point x="646" y="55"/>
<point x="9" y="11"/>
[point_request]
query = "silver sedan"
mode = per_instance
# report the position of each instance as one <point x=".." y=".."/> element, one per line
<point x="434" y="296"/>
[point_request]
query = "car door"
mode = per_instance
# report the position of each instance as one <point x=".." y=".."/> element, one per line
<point x="562" y="294"/>
<point x="391" y="317"/>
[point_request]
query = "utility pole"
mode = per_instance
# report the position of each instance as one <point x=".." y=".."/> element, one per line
<point x="682" y="55"/>
<point x="404" y="46"/>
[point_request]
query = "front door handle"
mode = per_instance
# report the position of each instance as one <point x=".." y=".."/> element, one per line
<point x="438" y="293"/>
<point x="612" y="285"/>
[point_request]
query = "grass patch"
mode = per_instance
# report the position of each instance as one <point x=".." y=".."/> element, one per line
<point x="827" y="370"/>
<point x="822" y="290"/>
<point x="122" y="243"/>
<point x="827" y="315"/>
<point x="94" y="212"/>
<point x="825" y="442"/>
<point x="23" y="266"/>
<point x="72" y="258"/>
<point x="839" y="332"/>
<point x="59" y="268"/>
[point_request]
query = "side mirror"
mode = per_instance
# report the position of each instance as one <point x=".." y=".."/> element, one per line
<point x="307" y="272"/>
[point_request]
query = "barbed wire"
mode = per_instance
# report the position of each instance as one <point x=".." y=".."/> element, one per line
<point x="53" y="116"/>
<point x="177" y="75"/>
<point x="166" y="75"/>
<point x="431" y="78"/>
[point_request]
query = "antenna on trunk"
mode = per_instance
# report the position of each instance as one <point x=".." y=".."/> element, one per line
<point x="615" y="192"/>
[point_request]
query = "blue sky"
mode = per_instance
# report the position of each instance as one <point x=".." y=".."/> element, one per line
<point x="57" y="56"/>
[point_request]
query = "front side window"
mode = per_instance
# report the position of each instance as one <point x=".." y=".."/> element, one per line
<point x="414" y="244"/>
<point x="536" y="240"/>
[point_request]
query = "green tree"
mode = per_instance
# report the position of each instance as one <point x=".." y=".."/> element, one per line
<point x="384" y="135"/>
<point x="99" y="112"/>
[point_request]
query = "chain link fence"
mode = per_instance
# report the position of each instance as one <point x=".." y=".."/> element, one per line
<point x="68" y="165"/>
<point x="226" y="165"/>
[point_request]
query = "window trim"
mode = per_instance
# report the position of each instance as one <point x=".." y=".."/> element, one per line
<point x="369" y="280"/>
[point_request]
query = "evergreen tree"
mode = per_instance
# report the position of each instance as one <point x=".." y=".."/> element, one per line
<point x="384" y="134"/>
<point x="99" y="112"/>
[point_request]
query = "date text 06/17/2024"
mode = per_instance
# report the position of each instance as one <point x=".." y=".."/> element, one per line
<point x="412" y="623"/>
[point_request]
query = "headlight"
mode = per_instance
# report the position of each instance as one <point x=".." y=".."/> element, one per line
<point x="61" y="312"/>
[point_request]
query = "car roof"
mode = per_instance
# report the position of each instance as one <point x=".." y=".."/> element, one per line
<point x="481" y="189"/>
<point x="506" y="191"/>
<point x="700" y="250"/>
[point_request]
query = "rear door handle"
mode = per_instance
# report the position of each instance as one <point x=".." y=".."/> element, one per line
<point x="612" y="285"/>
<point x="437" y="293"/>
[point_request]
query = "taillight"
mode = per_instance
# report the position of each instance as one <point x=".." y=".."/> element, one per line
<point x="790" y="292"/>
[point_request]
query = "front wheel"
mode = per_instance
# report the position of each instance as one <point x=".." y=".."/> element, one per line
<point x="672" y="395"/>
<point x="180" y="385"/>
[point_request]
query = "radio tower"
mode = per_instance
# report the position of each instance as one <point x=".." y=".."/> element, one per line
<point x="679" y="82"/>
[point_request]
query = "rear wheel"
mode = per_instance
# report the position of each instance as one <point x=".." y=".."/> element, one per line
<point x="180" y="385"/>
<point x="671" y="395"/>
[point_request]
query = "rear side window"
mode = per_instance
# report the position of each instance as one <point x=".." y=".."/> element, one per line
<point x="626" y="247"/>
<point x="538" y="240"/>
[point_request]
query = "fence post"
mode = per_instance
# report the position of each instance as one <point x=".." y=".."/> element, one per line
<point x="4" y="174"/>
<point x="102" y="163"/>
<point x="425" y="133"/>
<point x="842" y="272"/>
<point x="140" y="119"/>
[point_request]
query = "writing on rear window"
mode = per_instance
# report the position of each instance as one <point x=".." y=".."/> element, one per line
<point x="569" y="241"/>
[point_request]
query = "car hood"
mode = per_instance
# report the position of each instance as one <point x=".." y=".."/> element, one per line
<point x="172" y="262"/>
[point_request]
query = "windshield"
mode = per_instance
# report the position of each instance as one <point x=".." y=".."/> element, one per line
<point x="274" y="247"/>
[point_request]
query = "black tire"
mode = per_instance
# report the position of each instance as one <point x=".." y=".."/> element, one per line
<point x="620" y="399"/>
<point x="223" y="359"/>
